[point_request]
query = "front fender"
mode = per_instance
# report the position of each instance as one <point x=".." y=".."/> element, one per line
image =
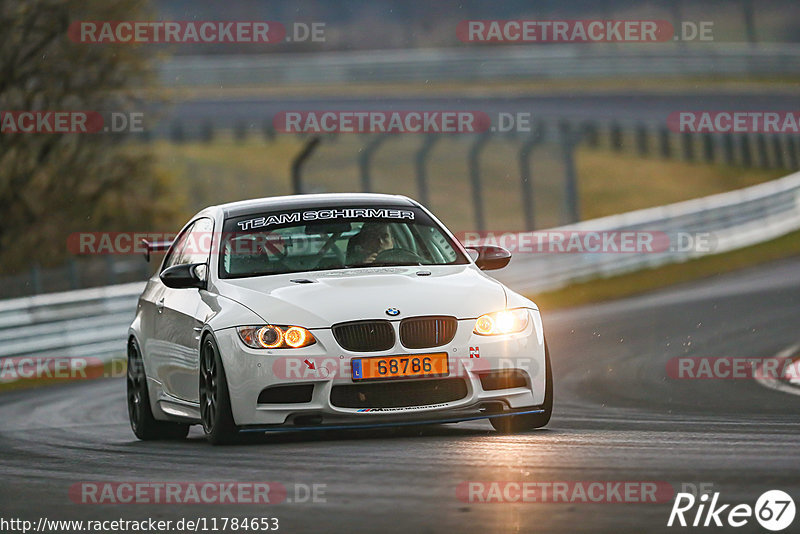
<point x="227" y="313"/>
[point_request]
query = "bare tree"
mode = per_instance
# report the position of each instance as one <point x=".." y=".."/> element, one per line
<point x="54" y="184"/>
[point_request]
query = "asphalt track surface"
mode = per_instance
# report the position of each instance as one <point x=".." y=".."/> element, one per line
<point x="617" y="417"/>
<point x="625" y="106"/>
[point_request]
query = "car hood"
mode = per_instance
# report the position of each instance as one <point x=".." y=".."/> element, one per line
<point x="331" y="297"/>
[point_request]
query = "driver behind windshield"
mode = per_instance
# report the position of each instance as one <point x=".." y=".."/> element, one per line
<point x="371" y="240"/>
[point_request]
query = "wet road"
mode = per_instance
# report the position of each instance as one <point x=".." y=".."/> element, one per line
<point x="618" y="417"/>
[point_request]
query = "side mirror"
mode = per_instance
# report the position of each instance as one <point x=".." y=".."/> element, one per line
<point x="491" y="257"/>
<point x="185" y="276"/>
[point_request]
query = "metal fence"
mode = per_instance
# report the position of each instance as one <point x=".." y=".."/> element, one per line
<point x="481" y="62"/>
<point x="554" y="138"/>
<point x="94" y="322"/>
<point x="77" y="273"/>
<point x="537" y="205"/>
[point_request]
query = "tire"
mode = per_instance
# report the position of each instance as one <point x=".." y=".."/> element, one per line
<point x="215" y="401"/>
<point x="140" y="414"/>
<point x="512" y="424"/>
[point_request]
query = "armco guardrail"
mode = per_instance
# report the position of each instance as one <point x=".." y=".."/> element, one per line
<point x="479" y="62"/>
<point x="93" y="322"/>
<point x="734" y="220"/>
<point x="87" y="322"/>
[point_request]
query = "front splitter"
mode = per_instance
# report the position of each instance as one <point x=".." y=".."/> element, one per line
<point x="287" y="428"/>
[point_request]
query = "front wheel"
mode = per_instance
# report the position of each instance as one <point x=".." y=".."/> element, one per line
<point x="215" y="401"/>
<point x="143" y="424"/>
<point x="512" y="424"/>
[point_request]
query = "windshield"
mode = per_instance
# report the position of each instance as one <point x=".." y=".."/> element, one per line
<point x="322" y="239"/>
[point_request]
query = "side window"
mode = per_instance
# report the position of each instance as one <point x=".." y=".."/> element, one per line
<point x="198" y="242"/>
<point x="176" y="252"/>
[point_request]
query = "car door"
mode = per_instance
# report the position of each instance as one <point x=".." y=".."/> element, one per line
<point x="180" y="316"/>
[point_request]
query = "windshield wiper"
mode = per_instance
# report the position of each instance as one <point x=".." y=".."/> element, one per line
<point x="393" y="264"/>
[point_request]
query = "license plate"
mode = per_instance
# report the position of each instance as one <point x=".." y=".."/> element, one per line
<point x="405" y="366"/>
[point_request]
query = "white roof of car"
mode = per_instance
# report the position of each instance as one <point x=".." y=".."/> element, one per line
<point x="325" y="200"/>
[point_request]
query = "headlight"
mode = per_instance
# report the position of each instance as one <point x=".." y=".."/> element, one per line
<point x="502" y="322"/>
<point x="275" y="337"/>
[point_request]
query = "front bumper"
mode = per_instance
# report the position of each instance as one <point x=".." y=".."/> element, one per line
<point x="471" y="357"/>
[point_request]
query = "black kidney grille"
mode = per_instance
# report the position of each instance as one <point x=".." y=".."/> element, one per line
<point x="425" y="332"/>
<point x="364" y="336"/>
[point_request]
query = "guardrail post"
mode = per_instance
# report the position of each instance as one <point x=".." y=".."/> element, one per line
<point x="747" y="157"/>
<point x="365" y="159"/>
<point x="297" y="164"/>
<point x="777" y="148"/>
<point x="761" y="151"/>
<point x="642" y="146"/>
<point x="571" y="206"/>
<point x="421" y="167"/>
<point x="728" y="150"/>
<point x="269" y="130"/>
<point x="475" y="179"/>
<point x="207" y="131"/>
<point x="708" y="147"/>
<point x="525" y="177"/>
<point x="749" y="20"/>
<point x="791" y="145"/>
<point x="590" y="134"/>
<point x="615" y="137"/>
<point x="675" y="10"/>
<point x="664" y="144"/>
<point x="795" y="140"/>
<point x="239" y="131"/>
<point x="687" y="143"/>
<point x="176" y="133"/>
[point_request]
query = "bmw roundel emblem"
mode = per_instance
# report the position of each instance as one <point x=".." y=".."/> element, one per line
<point x="394" y="312"/>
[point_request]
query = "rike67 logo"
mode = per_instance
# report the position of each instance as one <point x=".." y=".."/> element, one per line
<point x="774" y="510"/>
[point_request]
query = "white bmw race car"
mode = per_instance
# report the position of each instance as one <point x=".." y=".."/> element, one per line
<point x="330" y="311"/>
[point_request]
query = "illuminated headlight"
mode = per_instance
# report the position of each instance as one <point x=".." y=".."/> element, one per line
<point x="275" y="337"/>
<point x="502" y="322"/>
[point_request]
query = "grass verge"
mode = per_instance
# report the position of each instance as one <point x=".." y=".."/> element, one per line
<point x="225" y="170"/>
